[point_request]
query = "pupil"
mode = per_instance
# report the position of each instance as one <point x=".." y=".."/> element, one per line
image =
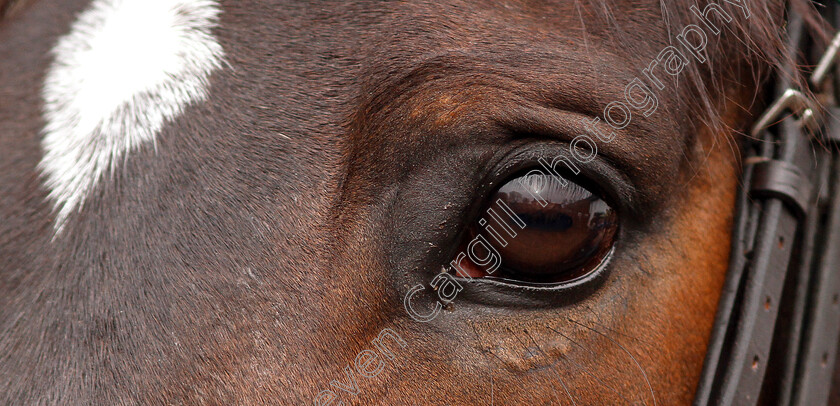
<point x="568" y="230"/>
<point x="546" y="221"/>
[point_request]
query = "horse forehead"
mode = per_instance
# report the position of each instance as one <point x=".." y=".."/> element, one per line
<point x="125" y="68"/>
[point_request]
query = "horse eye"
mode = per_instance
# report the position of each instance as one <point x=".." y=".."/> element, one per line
<point x="539" y="229"/>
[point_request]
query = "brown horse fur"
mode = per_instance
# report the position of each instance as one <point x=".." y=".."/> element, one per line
<point x="274" y="230"/>
<point x="10" y="7"/>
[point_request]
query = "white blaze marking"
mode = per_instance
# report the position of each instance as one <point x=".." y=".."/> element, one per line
<point x="125" y="68"/>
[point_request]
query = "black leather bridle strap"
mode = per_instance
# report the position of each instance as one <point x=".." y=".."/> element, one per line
<point x="746" y="338"/>
<point x="761" y="250"/>
<point x="822" y="326"/>
<point x="784" y="260"/>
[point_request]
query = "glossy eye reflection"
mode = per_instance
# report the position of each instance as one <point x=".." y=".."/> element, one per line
<point x="551" y="230"/>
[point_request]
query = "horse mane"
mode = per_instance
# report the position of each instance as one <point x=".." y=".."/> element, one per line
<point x="750" y="50"/>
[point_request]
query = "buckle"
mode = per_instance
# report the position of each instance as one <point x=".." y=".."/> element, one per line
<point x="825" y="63"/>
<point x="795" y="101"/>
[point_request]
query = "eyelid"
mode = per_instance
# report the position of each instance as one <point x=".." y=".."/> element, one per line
<point x="497" y="293"/>
<point x="544" y="287"/>
<point x="599" y="176"/>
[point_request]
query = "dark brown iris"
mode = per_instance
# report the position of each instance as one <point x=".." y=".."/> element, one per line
<point x="562" y="231"/>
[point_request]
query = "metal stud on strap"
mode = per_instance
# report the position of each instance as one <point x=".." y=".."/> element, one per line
<point x="825" y="63"/>
<point x="802" y="107"/>
<point x="793" y="100"/>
